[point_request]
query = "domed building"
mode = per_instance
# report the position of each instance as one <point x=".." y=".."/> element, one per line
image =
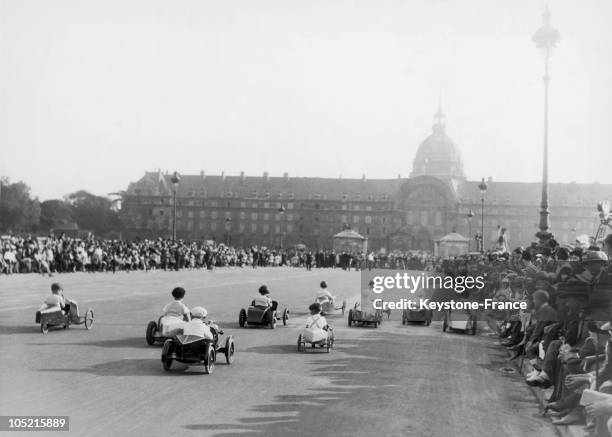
<point x="392" y="214"/>
<point x="438" y="155"/>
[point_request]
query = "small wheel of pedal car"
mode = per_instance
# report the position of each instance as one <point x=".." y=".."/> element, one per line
<point x="300" y="343"/>
<point x="49" y="317"/>
<point x="209" y="359"/>
<point x="89" y="319"/>
<point x="273" y="319"/>
<point x="350" y="317"/>
<point x="166" y="357"/>
<point x="242" y="318"/>
<point x="473" y="331"/>
<point x="285" y="316"/>
<point x="230" y="348"/>
<point x="150" y="334"/>
<point x="445" y="323"/>
<point x="328" y="344"/>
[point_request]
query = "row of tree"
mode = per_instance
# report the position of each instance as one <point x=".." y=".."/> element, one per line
<point x="20" y="212"/>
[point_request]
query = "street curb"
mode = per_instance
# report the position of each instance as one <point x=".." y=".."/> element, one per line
<point x="541" y="395"/>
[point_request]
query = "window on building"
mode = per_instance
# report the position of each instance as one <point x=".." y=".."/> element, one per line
<point x="277" y="229"/>
<point x="266" y="216"/>
<point x="213" y="226"/>
<point x="202" y="214"/>
<point x="190" y="214"/>
<point x="355" y="219"/>
<point x="254" y="227"/>
<point x="266" y="228"/>
<point x="368" y="219"/>
<point x="241" y="227"/>
<point x="213" y="215"/>
<point x="344" y="219"/>
<point x="242" y="215"/>
<point x="253" y="216"/>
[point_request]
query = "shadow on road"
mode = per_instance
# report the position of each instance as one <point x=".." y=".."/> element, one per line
<point x="19" y="329"/>
<point x="131" y="342"/>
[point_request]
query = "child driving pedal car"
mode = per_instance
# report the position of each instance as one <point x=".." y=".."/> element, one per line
<point x="197" y="326"/>
<point x="263" y="300"/>
<point x="316" y="326"/>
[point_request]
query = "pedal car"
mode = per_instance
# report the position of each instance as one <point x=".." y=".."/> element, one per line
<point x="262" y="315"/>
<point x="362" y="318"/>
<point x="316" y="337"/>
<point x="166" y="327"/>
<point x="194" y="350"/>
<point x="459" y="320"/>
<point x="328" y="306"/>
<point x="424" y="316"/>
<point x="50" y="317"/>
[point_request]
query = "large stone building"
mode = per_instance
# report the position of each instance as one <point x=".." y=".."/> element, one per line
<point x="403" y="213"/>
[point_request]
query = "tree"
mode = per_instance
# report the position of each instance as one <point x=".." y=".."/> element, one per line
<point x="18" y="211"/>
<point x="93" y="213"/>
<point x="53" y="213"/>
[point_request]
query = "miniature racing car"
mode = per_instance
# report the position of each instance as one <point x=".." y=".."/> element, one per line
<point x="166" y="327"/>
<point x="459" y="320"/>
<point x="423" y="315"/>
<point x="356" y="316"/>
<point x="257" y="315"/>
<point x="56" y="317"/>
<point x="306" y="337"/>
<point x="194" y="350"/>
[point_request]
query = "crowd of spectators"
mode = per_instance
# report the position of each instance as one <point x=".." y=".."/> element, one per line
<point x="563" y="339"/>
<point x="63" y="254"/>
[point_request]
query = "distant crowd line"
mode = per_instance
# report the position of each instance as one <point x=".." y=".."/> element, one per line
<point x="63" y="254"/>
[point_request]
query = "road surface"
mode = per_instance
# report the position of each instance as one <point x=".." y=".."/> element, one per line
<point x="392" y="381"/>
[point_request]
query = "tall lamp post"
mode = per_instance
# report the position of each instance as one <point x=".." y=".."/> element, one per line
<point x="470" y="215"/>
<point x="228" y="230"/>
<point x="281" y="211"/>
<point x="483" y="189"/>
<point x="545" y="38"/>
<point x="175" y="179"/>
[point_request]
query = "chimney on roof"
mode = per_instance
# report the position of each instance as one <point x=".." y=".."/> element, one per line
<point x="266" y="177"/>
<point x="202" y="175"/>
<point x="286" y="177"/>
<point x="242" y="177"/>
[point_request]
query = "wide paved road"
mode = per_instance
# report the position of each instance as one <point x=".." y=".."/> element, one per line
<point x="392" y="381"/>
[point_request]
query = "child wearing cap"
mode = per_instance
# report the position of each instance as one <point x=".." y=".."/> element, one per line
<point x="197" y="326"/>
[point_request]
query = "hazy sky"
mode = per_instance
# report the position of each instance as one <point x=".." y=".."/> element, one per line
<point x="94" y="93"/>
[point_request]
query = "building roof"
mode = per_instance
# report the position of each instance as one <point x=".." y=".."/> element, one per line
<point x="302" y="188"/>
<point x="349" y="233"/>
<point x="157" y="183"/>
<point x="453" y="237"/>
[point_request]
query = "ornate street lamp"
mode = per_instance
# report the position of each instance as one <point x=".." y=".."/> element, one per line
<point x="175" y="179"/>
<point x="483" y="189"/>
<point x="470" y="215"/>
<point x="281" y="211"/>
<point x="545" y="39"/>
